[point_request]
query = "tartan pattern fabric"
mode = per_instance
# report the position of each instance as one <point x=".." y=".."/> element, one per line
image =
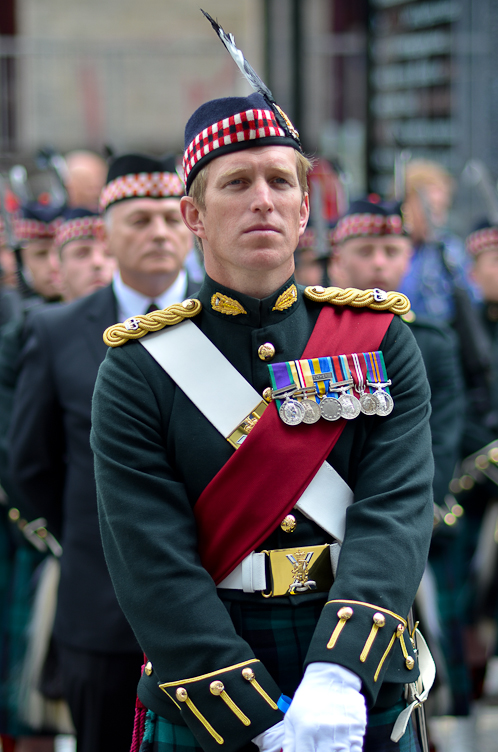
<point x="162" y="736"/>
<point x="280" y="637"/>
<point x="360" y="225"/>
<point x="481" y="240"/>
<point x="33" y="229"/>
<point x="77" y="229"/>
<point x="244" y="126"/>
<point x="141" y="185"/>
<point x="15" y="613"/>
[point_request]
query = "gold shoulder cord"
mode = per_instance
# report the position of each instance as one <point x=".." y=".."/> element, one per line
<point x="377" y="300"/>
<point x="138" y="326"/>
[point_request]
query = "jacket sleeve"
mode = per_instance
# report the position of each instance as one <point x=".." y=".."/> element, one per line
<point x="388" y="530"/>
<point x="208" y="675"/>
<point x="36" y="436"/>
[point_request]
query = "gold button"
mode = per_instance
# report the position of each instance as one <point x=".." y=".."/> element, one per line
<point x="266" y="351"/>
<point x="181" y="694"/>
<point x="216" y="688"/>
<point x="288" y="524"/>
<point x="148" y="668"/>
<point x="400" y="629"/>
<point x="410" y="663"/>
<point x="14" y="514"/>
<point x="248" y="674"/>
<point x="345" y="613"/>
<point x="379" y="620"/>
<point x="267" y="394"/>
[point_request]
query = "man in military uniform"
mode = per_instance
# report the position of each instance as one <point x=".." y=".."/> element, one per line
<point x="51" y="459"/>
<point x="200" y="483"/>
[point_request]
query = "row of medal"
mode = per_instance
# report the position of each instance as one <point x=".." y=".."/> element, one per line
<point x="307" y="390"/>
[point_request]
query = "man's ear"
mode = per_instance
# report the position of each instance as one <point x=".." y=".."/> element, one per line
<point x="192" y="216"/>
<point x="304" y="213"/>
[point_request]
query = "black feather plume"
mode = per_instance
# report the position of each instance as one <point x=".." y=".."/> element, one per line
<point x="248" y="71"/>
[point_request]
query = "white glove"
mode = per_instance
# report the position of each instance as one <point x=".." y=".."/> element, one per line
<point x="328" y="712"/>
<point x="272" y="739"/>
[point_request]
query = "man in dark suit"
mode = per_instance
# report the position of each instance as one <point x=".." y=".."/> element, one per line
<point x="51" y="459"/>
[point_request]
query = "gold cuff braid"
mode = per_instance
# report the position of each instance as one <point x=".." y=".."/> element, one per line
<point x="139" y="326"/>
<point x="395" y="302"/>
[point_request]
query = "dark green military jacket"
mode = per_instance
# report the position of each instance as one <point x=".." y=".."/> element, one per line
<point x="440" y="354"/>
<point x="154" y="455"/>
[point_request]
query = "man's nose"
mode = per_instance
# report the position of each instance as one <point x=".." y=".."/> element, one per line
<point x="159" y="227"/>
<point x="262" y="199"/>
<point x="379" y="257"/>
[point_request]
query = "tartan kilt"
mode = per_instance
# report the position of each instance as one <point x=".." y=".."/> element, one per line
<point x="279" y="635"/>
<point x="163" y="736"/>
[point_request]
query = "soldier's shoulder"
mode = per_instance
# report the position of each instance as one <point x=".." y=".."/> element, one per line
<point x="374" y="299"/>
<point x="140" y="325"/>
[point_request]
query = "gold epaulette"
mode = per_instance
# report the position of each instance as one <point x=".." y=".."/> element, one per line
<point x="139" y="326"/>
<point x="378" y="300"/>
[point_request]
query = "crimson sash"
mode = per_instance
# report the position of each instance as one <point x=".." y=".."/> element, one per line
<point x="261" y="482"/>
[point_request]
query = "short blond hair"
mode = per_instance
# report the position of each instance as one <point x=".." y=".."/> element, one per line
<point x="422" y="172"/>
<point x="197" y="189"/>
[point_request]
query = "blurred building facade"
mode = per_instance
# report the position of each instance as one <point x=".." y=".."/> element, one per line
<point x="360" y="78"/>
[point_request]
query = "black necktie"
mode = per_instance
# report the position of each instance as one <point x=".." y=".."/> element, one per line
<point x="153" y="307"/>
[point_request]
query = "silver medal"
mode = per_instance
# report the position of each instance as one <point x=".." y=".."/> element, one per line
<point x="350" y="406"/>
<point x="330" y="408"/>
<point x="384" y="402"/>
<point x="311" y="411"/>
<point x="368" y="404"/>
<point x="291" y="412"/>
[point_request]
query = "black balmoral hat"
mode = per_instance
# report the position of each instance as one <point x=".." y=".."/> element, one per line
<point x="141" y="176"/>
<point x="37" y="221"/>
<point x="367" y="218"/>
<point x="78" y="224"/>
<point x="234" y="123"/>
<point x="484" y="237"/>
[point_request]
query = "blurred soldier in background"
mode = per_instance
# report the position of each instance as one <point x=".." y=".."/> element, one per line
<point x="35" y="230"/>
<point x="85" y="266"/>
<point x="474" y="489"/>
<point x="86" y="174"/>
<point x="439" y="266"/>
<point x="52" y="464"/>
<point x="85" y="262"/>
<point x="373" y="250"/>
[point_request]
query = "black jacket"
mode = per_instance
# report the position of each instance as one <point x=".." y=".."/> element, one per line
<point x="52" y="463"/>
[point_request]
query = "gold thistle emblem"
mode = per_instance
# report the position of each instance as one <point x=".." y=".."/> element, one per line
<point x="226" y="305"/>
<point x="286" y="299"/>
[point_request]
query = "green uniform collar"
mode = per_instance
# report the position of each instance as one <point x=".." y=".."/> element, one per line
<point x="221" y="301"/>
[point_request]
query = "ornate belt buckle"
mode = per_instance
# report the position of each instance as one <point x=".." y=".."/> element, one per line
<point x="304" y="569"/>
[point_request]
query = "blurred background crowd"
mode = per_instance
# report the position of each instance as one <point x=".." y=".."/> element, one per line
<point x="395" y="100"/>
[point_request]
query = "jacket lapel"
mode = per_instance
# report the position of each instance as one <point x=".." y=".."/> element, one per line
<point x="99" y="315"/>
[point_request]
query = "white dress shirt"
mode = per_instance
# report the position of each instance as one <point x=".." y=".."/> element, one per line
<point x="130" y="302"/>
